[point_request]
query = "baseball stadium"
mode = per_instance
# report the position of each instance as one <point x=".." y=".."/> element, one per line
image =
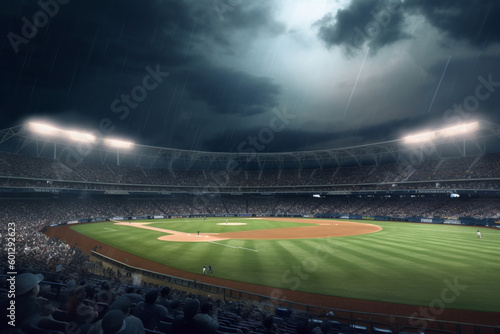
<point x="249" y="167"/>
<point x="389" y="237"/>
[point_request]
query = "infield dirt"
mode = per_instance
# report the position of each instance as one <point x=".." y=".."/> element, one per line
<point x="310" y="230"/>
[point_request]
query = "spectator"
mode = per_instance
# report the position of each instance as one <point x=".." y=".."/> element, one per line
<point x="204" y="320"/>
<point x="176" y="311"/>
<point x="118" y="313"/>
<point x="164" y="298"/>
<point x="188" y="324"/>
<point x="113" y="322"/>
<point x="28" y="311"/>
<point x="133" y="296"/>
<point x="78" y="311"/>
<point x="105" y="295"/>
<point x="149" y="312"/>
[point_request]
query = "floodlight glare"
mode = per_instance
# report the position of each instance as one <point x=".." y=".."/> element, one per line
<point x="80" y="136"/>
<point x="418" y="138"/>
<point x="459" y="129"/>
<point x="50" y="130"/>
<point x="118" y="143"/>
<point x="442" y="133"/>
<point x="43" y="129"/>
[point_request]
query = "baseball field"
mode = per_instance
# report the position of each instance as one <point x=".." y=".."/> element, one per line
<point x="392" y="262"/>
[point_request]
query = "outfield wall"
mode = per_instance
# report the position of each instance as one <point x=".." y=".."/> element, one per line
<point x="489" y="222"/>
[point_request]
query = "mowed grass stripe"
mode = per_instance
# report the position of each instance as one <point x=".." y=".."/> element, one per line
<point x="406" y="257"/>
<point x="453" y="250"/>
<point x="427" y="258"/>
<point x="417" y="274"/>
<point x="480" y="252"/>
<point x="252" y="266"/>
<point x="236" y="263"/>
<point x="405" y="267"/>
<point x="370" y="261"/>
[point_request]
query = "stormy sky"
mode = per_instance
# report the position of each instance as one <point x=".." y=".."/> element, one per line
<point x="210" y="75"/>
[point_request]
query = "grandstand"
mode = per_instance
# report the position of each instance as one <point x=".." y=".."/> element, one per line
<point x="46" y="181"/>
<point x="30" y="164"/>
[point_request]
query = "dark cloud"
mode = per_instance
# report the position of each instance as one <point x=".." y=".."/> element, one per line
<point x="228" y="91"/>
<point x="473" y="21"/>
<point x="91" y="52"/>
<point x="364" y="23"/>
<point x="88" y="52"/>
<point x="464" y="84"/>
<point x="258" y="18"/>
<point x="290" y="139"/>
<point x="375" y="24"/>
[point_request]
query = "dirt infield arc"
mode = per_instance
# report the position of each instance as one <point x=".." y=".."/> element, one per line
<point x="87" y="244"/>
<point x="325" y="229"/>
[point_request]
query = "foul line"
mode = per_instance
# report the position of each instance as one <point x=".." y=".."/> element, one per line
<point x="252" y="250"/>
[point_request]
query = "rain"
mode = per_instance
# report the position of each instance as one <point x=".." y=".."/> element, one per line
<point x="353" y="72"/>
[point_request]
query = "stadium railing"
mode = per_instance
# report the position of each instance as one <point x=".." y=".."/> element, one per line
<point x="276" y="305"/>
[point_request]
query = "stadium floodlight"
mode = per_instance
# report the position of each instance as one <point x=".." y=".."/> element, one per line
<point x="459" y="129"/>
<point x="50" y="130"/>
<point x="419" y="138"/>
<point x="451" y="131"/>
<point x="43" y="129"/>
<point x="118" y="143"/>
<point x="80" y="136"/>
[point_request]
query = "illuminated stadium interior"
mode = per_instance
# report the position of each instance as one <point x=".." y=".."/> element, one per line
<point x="249" y="167"/>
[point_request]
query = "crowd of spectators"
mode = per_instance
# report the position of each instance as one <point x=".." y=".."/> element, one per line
<point x="33" y="248"/>
<point x="22" y="170"/>
<point x="60" y="186"/>
<point x="81" y="303"/>
<point x="34" y="214"/>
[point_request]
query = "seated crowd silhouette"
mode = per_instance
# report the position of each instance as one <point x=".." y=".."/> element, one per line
<point x="96" y="305"/>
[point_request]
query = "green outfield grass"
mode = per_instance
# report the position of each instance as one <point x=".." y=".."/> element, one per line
<point x="404" y="263"/>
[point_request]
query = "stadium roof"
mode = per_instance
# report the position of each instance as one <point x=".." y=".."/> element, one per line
<point x="22" y="140"/>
